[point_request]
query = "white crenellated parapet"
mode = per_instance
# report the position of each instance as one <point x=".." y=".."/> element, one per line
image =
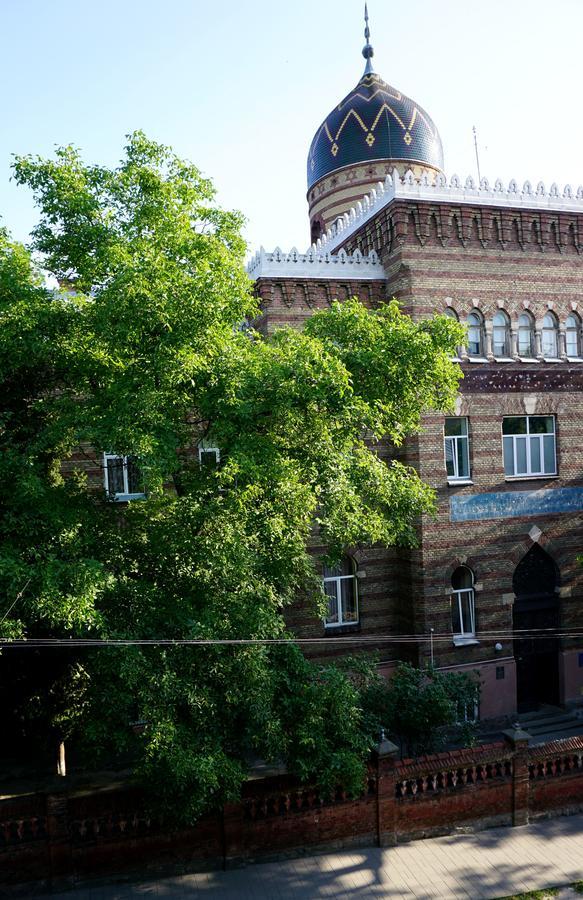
<point x="315" y="263"/>
<point x="438" y="190"/>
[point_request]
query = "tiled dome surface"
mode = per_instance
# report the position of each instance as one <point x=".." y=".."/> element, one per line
<point x="374" y="121"/>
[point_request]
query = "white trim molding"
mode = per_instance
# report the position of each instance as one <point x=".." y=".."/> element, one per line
<point x="438" y="190"/>
<point x="316" y="264"/>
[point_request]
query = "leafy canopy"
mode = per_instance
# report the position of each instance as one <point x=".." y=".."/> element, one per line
<point x="142" y="353"/>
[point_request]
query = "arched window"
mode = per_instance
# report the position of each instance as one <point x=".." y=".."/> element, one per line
<point x="550" y="337"/>
<point x="475" y="334"/>
<point x="463" y="617"/>
<point x="573" y="336"/>
<point x="501" y="334"/>
<point x="340" y="589"/>
<point x="525" y="335"/>
<point x="451" y="314"/>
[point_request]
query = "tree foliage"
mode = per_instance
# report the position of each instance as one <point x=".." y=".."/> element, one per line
<point x="422" y="701"/>
<point x="142" y="353"/>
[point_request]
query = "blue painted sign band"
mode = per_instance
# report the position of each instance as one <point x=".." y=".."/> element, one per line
<point x="513" y="504"/>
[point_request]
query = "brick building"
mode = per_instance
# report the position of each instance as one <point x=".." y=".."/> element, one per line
<point x="501" y="558"/>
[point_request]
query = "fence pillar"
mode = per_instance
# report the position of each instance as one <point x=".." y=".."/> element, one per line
<point x="59" y="840"/>
<point x="518" y="740"/>
<point x="386" y="755"/>
<point x="233" y="836"/>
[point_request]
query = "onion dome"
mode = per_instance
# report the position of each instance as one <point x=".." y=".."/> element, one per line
<point x="375" y="123"/>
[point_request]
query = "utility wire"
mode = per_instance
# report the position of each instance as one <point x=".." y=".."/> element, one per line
<point x="501" y="635"/>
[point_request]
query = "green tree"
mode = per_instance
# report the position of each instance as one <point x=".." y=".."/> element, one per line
<point x="144" y="354"/>
<point x="421" y="702"/>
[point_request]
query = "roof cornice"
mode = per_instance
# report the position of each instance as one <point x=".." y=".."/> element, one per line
<point x="440" y="191"/>
<point x="316" y="264"/>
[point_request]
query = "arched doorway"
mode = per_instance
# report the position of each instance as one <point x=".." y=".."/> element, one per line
<point x="536" y="608"/>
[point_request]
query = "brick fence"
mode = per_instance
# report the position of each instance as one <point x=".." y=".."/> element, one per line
<point x="55" y="839"/>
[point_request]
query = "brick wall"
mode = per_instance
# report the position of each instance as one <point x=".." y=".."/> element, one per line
<point x="66" y="837"/>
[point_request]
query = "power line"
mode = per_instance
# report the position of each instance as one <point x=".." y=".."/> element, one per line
<point x="82" y="643"/>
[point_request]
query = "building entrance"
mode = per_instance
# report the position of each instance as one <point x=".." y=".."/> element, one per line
<point x="536" y="609"/>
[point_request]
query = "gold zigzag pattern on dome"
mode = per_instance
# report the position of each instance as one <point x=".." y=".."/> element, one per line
<point x="383" y="88"/>
<point x="370" y="138"/>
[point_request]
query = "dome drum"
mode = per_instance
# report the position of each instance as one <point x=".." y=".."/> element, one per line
<point x="339" y="191"/>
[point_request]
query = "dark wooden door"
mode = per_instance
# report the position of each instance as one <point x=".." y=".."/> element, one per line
<point x="537" y="658"/>
<point x="535" y="624"/>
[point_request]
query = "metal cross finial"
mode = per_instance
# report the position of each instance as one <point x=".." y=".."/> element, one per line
<point x="367" y="50"/>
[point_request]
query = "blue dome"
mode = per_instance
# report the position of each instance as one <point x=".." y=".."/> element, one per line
<point x="374" y="121"/>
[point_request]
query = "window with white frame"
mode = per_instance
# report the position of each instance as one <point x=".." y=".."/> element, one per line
<point x="451" y="314"/>
<point x="526" y="335"/>
<point x="529" y="445"/>
<point x="550" y="337"/>
<point x="573" y="336"/>
<point x="463" y="613"/>
<point x="208" y="457"/>
<point x="501" y="334"/>
<point x="457" y="450"/>
<point x="341" y="591"/>
<point x="467" y="713"/>
<point x="475" y="334"/>
<point x="122" y="477"/>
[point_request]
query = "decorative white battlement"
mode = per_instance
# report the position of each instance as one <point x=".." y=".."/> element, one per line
<point x="439" y="191"/>
<point x="315" y="263"/>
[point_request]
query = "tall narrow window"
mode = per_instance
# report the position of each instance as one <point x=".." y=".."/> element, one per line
<point x="475" y="334"/>
<point x="573" y="336"/>
<point x="463" y="615"/>
<point x="457" y="451"/>
<point x="451" y="314"/>
<point x="550" y="337"/>
<point x="501" y="334"/>
<point x="525" y="335"/>
<point x="122" y="477"/>
<point x="340" y="589"/>
<point x="529" y="445"/>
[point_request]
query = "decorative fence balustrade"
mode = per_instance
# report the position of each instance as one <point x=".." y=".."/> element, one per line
<point x="448" y="771"/>
<point x="297" y="801"/>
<point x="557" y="758"/>
<point x="22" y="831"/>
<point x="452" y="778"/>
<point x="71" y="837"/>
<point x="115" y="825"/>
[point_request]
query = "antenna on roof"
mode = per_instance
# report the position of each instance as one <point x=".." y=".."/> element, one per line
<point x="367" y="50"/>
<point x="477" y="154"/>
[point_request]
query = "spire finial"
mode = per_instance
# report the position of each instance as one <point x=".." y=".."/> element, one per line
<point x="367" y="50"/>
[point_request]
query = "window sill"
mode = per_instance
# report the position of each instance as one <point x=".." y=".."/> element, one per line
<point x="530" y="477"/>
<point x="552" y="359"/>
<point x="503" y="359"/>
<point x="459" y="482"/>
<point x="476" y="359"/>
<point x="463" y="641"/>
<point x="124" y="498"/>
<point x="345" y="628"/>
<point x="575" y="359"/>
<point x="528" y="359"/>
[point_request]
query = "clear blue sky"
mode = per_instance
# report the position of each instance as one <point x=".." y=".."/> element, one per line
<point x="240" y="88"/>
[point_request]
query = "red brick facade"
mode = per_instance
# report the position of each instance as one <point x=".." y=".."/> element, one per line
<point x="484" y="258"/>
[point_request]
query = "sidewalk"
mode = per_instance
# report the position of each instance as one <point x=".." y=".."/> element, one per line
<point x="489" y="864"/>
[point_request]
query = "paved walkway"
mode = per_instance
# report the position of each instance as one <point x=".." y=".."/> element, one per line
<point x="494" y="863"/>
